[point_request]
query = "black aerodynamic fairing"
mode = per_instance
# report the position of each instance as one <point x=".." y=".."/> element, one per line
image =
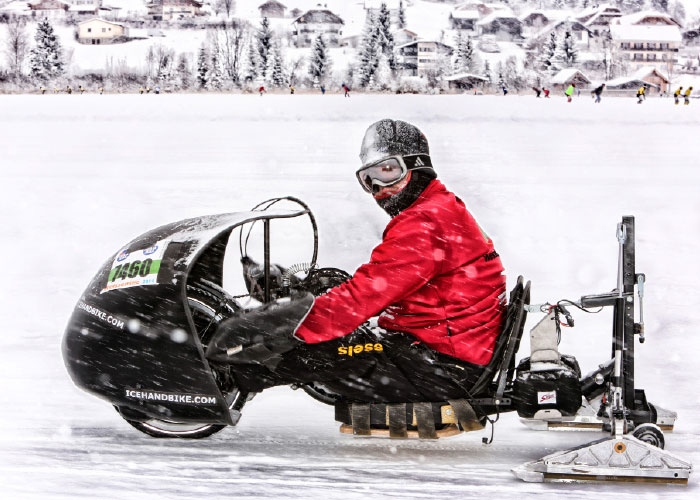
<point x="131" y="338"/>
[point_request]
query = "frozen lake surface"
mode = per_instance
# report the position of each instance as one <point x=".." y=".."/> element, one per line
<point x="82" y="175"/>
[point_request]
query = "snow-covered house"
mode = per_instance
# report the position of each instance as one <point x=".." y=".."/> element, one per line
<point x="464" y="18"/>
<point x="272" y="9"/>
<point x="173" y="10"/>
<point x="312" y="23"/>
<point x="642" y="45"/>
<point x="404" y="36"/>
<point x="599" y="17"/>
<point x="93" y="8"/>
<point x="567" y="76"/>
<point x="654" y="77"/>
<point x="54" y="9"/>
<point x="99" y="32"/>
<point x="632" y="83"/>
<point x="503" y="24"/>
<point x="483" y="8"/>
<point x="649" y="18"/>
<point x="85" y="8"/>
<point x="534" y="20"/>
<point x="579" y="32"/>
<point x="465" y="81"/>
<point x="420" y="57"/>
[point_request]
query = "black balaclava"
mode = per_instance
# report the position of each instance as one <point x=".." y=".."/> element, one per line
<point x="387" y="138"/>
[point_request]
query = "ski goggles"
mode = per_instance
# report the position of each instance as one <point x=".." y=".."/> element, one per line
<point x="389" y="171"/>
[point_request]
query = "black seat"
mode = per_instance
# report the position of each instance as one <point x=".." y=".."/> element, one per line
<point x="501" y="368"/>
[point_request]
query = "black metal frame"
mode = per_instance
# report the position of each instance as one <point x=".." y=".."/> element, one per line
<point x="636" y="407"/>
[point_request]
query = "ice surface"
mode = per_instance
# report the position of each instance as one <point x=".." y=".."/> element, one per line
<point x="82" y="175"/>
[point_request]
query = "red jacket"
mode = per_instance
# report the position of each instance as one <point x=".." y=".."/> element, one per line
<point x="435" y="275"/>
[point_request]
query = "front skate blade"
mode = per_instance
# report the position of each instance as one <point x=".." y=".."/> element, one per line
<point x="586" y="419"/>
<point x="626" y="459"/>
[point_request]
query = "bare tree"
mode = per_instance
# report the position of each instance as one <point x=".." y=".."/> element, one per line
<point x="229" y="6"/>
<point x="230" y="37"/>
<point x="159" y="62"/>
<point x="150" y="60"/>
<point x="164" y="60"/>
<point x="292" y="68"/>
<point x="16" y="45"/>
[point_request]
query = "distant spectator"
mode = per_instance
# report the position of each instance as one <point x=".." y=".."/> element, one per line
<point x="641" y="94"/>
<point x="597" y="91"/>
<point x="677" y="94"/>
<point x="570" y="92"/>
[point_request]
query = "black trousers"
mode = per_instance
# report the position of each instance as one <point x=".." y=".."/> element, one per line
<point x="369" y="365"/>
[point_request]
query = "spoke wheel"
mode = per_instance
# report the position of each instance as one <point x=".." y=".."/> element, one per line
<point x="208" y="307"/>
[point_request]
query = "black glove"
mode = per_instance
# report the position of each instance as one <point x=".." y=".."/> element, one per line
<point x="261" y="336"/>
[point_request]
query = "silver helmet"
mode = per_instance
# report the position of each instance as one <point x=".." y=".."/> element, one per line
<point x="387" y="138"/>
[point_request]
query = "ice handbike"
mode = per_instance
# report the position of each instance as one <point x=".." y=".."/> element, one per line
<point x="140" y="334"/>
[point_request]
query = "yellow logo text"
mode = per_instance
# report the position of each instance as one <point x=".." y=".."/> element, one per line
<point x="359" y="348"/>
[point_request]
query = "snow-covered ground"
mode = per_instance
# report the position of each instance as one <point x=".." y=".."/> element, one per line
<point x="82" y="175"/>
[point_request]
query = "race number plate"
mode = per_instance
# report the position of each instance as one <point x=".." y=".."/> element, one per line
<point x="136" y="268"/>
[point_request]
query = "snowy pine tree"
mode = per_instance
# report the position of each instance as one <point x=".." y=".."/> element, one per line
<point x="276" y="71"/>
<point x="457" y="64"/>
<point x="660" y="5"/>
<point x="203" y="68"/>
<point x="319" y="63"/>
<point x="465" y="55"/>
<point x="46" y="58"/>
<point x="512" y="74"/>
<point x="487" y="73"/>
<point x="215" y="72"/>
<point x="252" y="71"/>
<point x="549" y="51"/>
<point x="368" y="52"/>
<point x="567" y="54"/>
<point x="165" y="58"/>
<point x="386" y="39"/>
<point x="264" y="39"/>
<point x="402" y="15"/>
<point x="183" y="71"/>
<point x="501" y="80"/>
